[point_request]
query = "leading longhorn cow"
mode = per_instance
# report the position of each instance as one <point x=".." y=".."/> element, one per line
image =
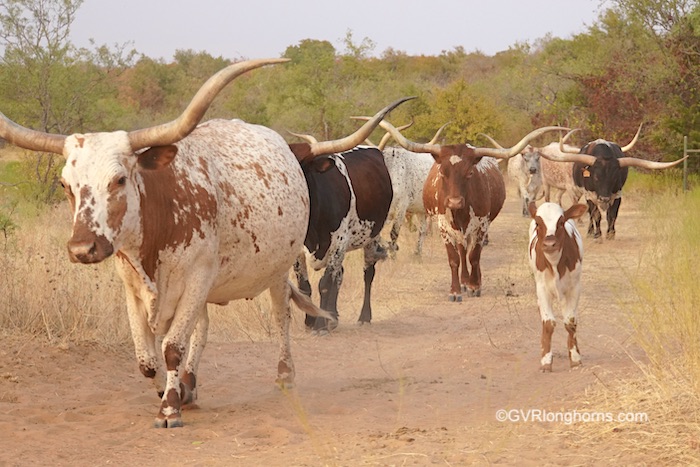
<point x="193" y="215"/>
<point x="350" y="192"/>
<point x="465" y="191"/>
<point x="600" y="171"/>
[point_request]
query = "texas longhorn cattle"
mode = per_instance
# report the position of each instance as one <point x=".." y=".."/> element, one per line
<point x="600" y="171"/>
<point x="192" y="215"/>
<point x="350" y="194"/>
<point x="465" y="191"/>
<point x="408" y="171"/>
<point x="556" y="259"/>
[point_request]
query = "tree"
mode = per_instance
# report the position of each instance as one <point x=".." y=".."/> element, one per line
<point x="46" y="83"/>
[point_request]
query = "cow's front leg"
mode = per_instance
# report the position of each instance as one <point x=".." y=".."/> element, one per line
<point x="302" y="274"/>
<point x="453" y="259"/>
<point x="147" y="357"/>
<point x="198" y="340"/>
<point x="544" y="303"/>
<point x="570" y="303"/>
<point x="595" y="218"/>
<point x="612" y="217"/>
<point x="373" y="252"/>
<point x="474" y="284"/>
<point x="279" y="303"/>
<point x="169" y="414"/>
<point x="328" y="288"/>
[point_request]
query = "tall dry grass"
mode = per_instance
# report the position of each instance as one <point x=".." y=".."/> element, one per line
<point x="666" y="322"/>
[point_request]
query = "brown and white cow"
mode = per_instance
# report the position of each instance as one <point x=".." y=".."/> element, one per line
<point x="350" y="194"/>
<point x="465" y="191"/>
<point x="193" y="215"/>
<point x="556" y="259"/>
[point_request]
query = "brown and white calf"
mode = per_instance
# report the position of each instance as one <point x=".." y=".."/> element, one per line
<point x="556" y="259"/>
<point x="193" y="215"/>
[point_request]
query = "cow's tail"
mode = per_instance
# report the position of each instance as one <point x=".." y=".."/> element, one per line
<point x="304" y="303"/>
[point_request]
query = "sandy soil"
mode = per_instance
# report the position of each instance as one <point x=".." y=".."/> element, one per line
<point x="421" y="385"/>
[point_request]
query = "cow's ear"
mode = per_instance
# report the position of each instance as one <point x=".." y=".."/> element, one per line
<point x="157" y="157"/>
<point x="321" y="164"/>
<point x="575" y="211"/>
<point x="532" y="208"/>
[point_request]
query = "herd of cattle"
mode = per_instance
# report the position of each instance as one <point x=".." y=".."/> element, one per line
<point x="224" y="210"/>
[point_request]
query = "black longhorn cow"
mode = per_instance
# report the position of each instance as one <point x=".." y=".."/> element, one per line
<point x="350" y="195"/>
<point x="600" y="170"/>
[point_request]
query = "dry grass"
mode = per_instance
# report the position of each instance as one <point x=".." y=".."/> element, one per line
<point x="666" y="319"/>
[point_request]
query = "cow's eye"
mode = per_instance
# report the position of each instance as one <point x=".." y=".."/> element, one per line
<point x="121" y="181"/>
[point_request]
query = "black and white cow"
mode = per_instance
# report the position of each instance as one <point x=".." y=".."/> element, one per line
<point x="600" y="170"/>
<point x="350" y="194"/>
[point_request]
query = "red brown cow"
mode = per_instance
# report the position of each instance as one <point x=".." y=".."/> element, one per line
<point x="556" y="260"/>
<point x="465" y="191"/>
<point x="193" y="215"/>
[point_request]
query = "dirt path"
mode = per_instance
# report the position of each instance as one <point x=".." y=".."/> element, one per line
<point x="420" y="386"/>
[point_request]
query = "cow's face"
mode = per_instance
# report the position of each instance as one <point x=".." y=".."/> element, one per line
<point x="100" y="183"/>
<point x="457" y="166"/>
<point x="550" y="223"/>
<point x="605" y="177"/>
<point x="532" y="160"/>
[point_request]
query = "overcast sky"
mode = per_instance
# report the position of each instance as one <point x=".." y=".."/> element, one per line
<point x="237" y="29"/>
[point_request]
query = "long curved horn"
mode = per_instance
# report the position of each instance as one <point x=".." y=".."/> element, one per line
<point x="30" y="139"/>
<point x="645" y="164"/>
<point x="349" y="142"/>
<point x="493" y="141"/>
<point x="437" y="133"/>
<point x="177" y="129"/>
<point x="634" y="140"/>
<point x="510" y="152"/>
<point x="307" y="138"/>
<point x="433" y="149"/>
<point x="563" y="140"/>
<point x="387" y="136"/>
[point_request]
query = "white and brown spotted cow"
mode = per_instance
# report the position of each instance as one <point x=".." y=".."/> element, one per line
<point x="193" y="215"/>
<point x="465" y="191"/>
<point x="556" y="259"/>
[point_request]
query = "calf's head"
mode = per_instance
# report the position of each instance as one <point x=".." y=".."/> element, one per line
<point x="550" y="224"/>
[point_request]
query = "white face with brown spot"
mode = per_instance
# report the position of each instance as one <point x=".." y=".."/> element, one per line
<point x="98" y="180"/>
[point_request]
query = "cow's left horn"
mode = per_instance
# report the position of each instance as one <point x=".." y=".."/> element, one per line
<point x="350" y="141"/>
<point x="645" y="164"/>
<point x="305" y="137"/>
<point x="387" y="136"/>
<point x="174" y="131"/>
<point x="510" y="152"/>
<point x="634" y="140"/>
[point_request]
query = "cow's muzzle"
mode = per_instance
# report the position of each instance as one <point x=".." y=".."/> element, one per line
<point x="454" y="202"/>
<point x="550" y="244"/>
<point x="88" y="251"/>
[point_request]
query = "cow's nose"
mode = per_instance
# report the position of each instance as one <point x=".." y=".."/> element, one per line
<point x="533" y="170"/>
<point x="455" y="202"/>
<point x="86" y="251"/>
<point x="549" y="242"/>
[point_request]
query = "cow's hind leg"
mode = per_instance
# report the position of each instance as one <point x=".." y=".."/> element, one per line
<point x="279" y="301"/>
<point x="198" y="340"/>
<point x="474" y="284"/>
<point x="547" y="331"/>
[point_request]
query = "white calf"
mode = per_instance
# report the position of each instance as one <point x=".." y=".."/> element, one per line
<point x="556" y="257"/>
<point x="524" y="170"/>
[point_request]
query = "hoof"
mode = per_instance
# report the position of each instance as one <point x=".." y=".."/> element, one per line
<point x="362" y="323"/>
<point x="547" y="368"/>
<point x="283" y="384"/>
<point x="610" y="236"/>
<point x="454" y="298"/>
<point x="575" y="364"/>
<point x="172" y="422"/>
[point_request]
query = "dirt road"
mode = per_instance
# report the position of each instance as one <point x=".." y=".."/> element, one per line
<point x="421" y="385"/>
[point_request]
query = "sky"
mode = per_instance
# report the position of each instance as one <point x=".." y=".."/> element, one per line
<point x="236" y="29"/>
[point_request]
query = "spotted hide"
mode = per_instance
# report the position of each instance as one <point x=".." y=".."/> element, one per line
<point x="193" y="216"/>
<point x="556" y="260"/>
